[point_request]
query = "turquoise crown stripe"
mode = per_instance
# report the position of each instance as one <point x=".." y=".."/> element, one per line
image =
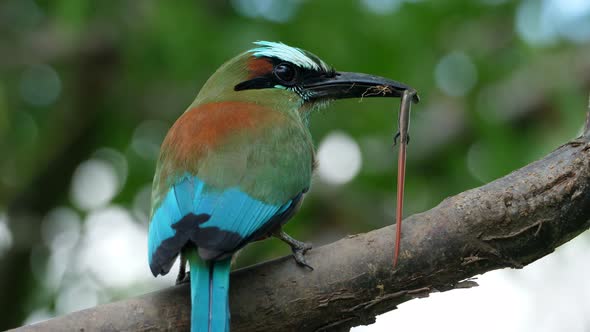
<point x="290" y="54"/>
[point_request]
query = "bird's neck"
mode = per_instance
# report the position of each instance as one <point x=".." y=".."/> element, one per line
<point x="277" y="101"/>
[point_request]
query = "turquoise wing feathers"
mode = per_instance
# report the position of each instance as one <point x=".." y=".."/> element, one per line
<point x="217" y="222"/>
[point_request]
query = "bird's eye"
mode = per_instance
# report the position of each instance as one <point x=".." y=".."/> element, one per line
<point x="285" y="72"/>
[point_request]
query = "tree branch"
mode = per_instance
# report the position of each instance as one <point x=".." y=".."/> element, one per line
<point x="509" y="222"/>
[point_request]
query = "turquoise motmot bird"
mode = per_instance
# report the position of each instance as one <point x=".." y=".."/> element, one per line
<point x="235" y="166"/>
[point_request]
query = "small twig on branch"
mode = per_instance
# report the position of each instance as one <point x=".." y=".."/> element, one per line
<point x="509" y="222"/>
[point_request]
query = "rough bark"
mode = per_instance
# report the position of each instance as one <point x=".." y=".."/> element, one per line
<point x="509" y="222"/>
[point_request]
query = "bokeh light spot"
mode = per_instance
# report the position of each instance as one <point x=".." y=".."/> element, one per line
<point x="77" y="295"/>
<point x="493" y="2"/>
<point x="532" y="25"/>
<point x="573" y="19"/>
<point x="541" y="23"/>
<point x="60" y="231"/>
<point x="382" y="7"/>
<point x="279" y="11"/>
<point x="339" y="158"/>
<point x="455" y="74"/>
<point x="61" y="228"/>
<point x="112" y="238"/>
<point x="40" y="85"/>
<point x="94" y="184"/>
<point x="118" y="161"/>
<point x="5" y="234"/>
<point x="21" y="15"/>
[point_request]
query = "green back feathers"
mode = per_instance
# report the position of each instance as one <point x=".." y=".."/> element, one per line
<point x="267" y="154"/>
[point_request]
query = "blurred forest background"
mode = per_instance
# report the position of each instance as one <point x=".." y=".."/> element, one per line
<point x="88" y="90"/>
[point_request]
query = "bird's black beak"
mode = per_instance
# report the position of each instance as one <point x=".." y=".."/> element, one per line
<point x="353" y="85"/>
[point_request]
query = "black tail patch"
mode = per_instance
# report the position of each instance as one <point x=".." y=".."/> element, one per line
<point x="188" y="229"/>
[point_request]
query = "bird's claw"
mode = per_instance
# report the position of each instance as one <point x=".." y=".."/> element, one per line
<point x="298" y="248"/>
<point x="299" y="253"/>
<point x="182" y="276"/>
<point x="183" y="279"/>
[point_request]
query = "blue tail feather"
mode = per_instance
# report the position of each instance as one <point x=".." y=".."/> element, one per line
<point x="209" y="294"/>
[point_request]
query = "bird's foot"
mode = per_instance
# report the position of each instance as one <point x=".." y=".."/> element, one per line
<point x="182" y="275"/>
<point x="298" y="248"/>
<point x="183" y="279"/>
<point x="299" y="255"/>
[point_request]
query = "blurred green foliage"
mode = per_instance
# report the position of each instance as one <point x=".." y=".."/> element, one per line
<point x="500" y="86"/>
